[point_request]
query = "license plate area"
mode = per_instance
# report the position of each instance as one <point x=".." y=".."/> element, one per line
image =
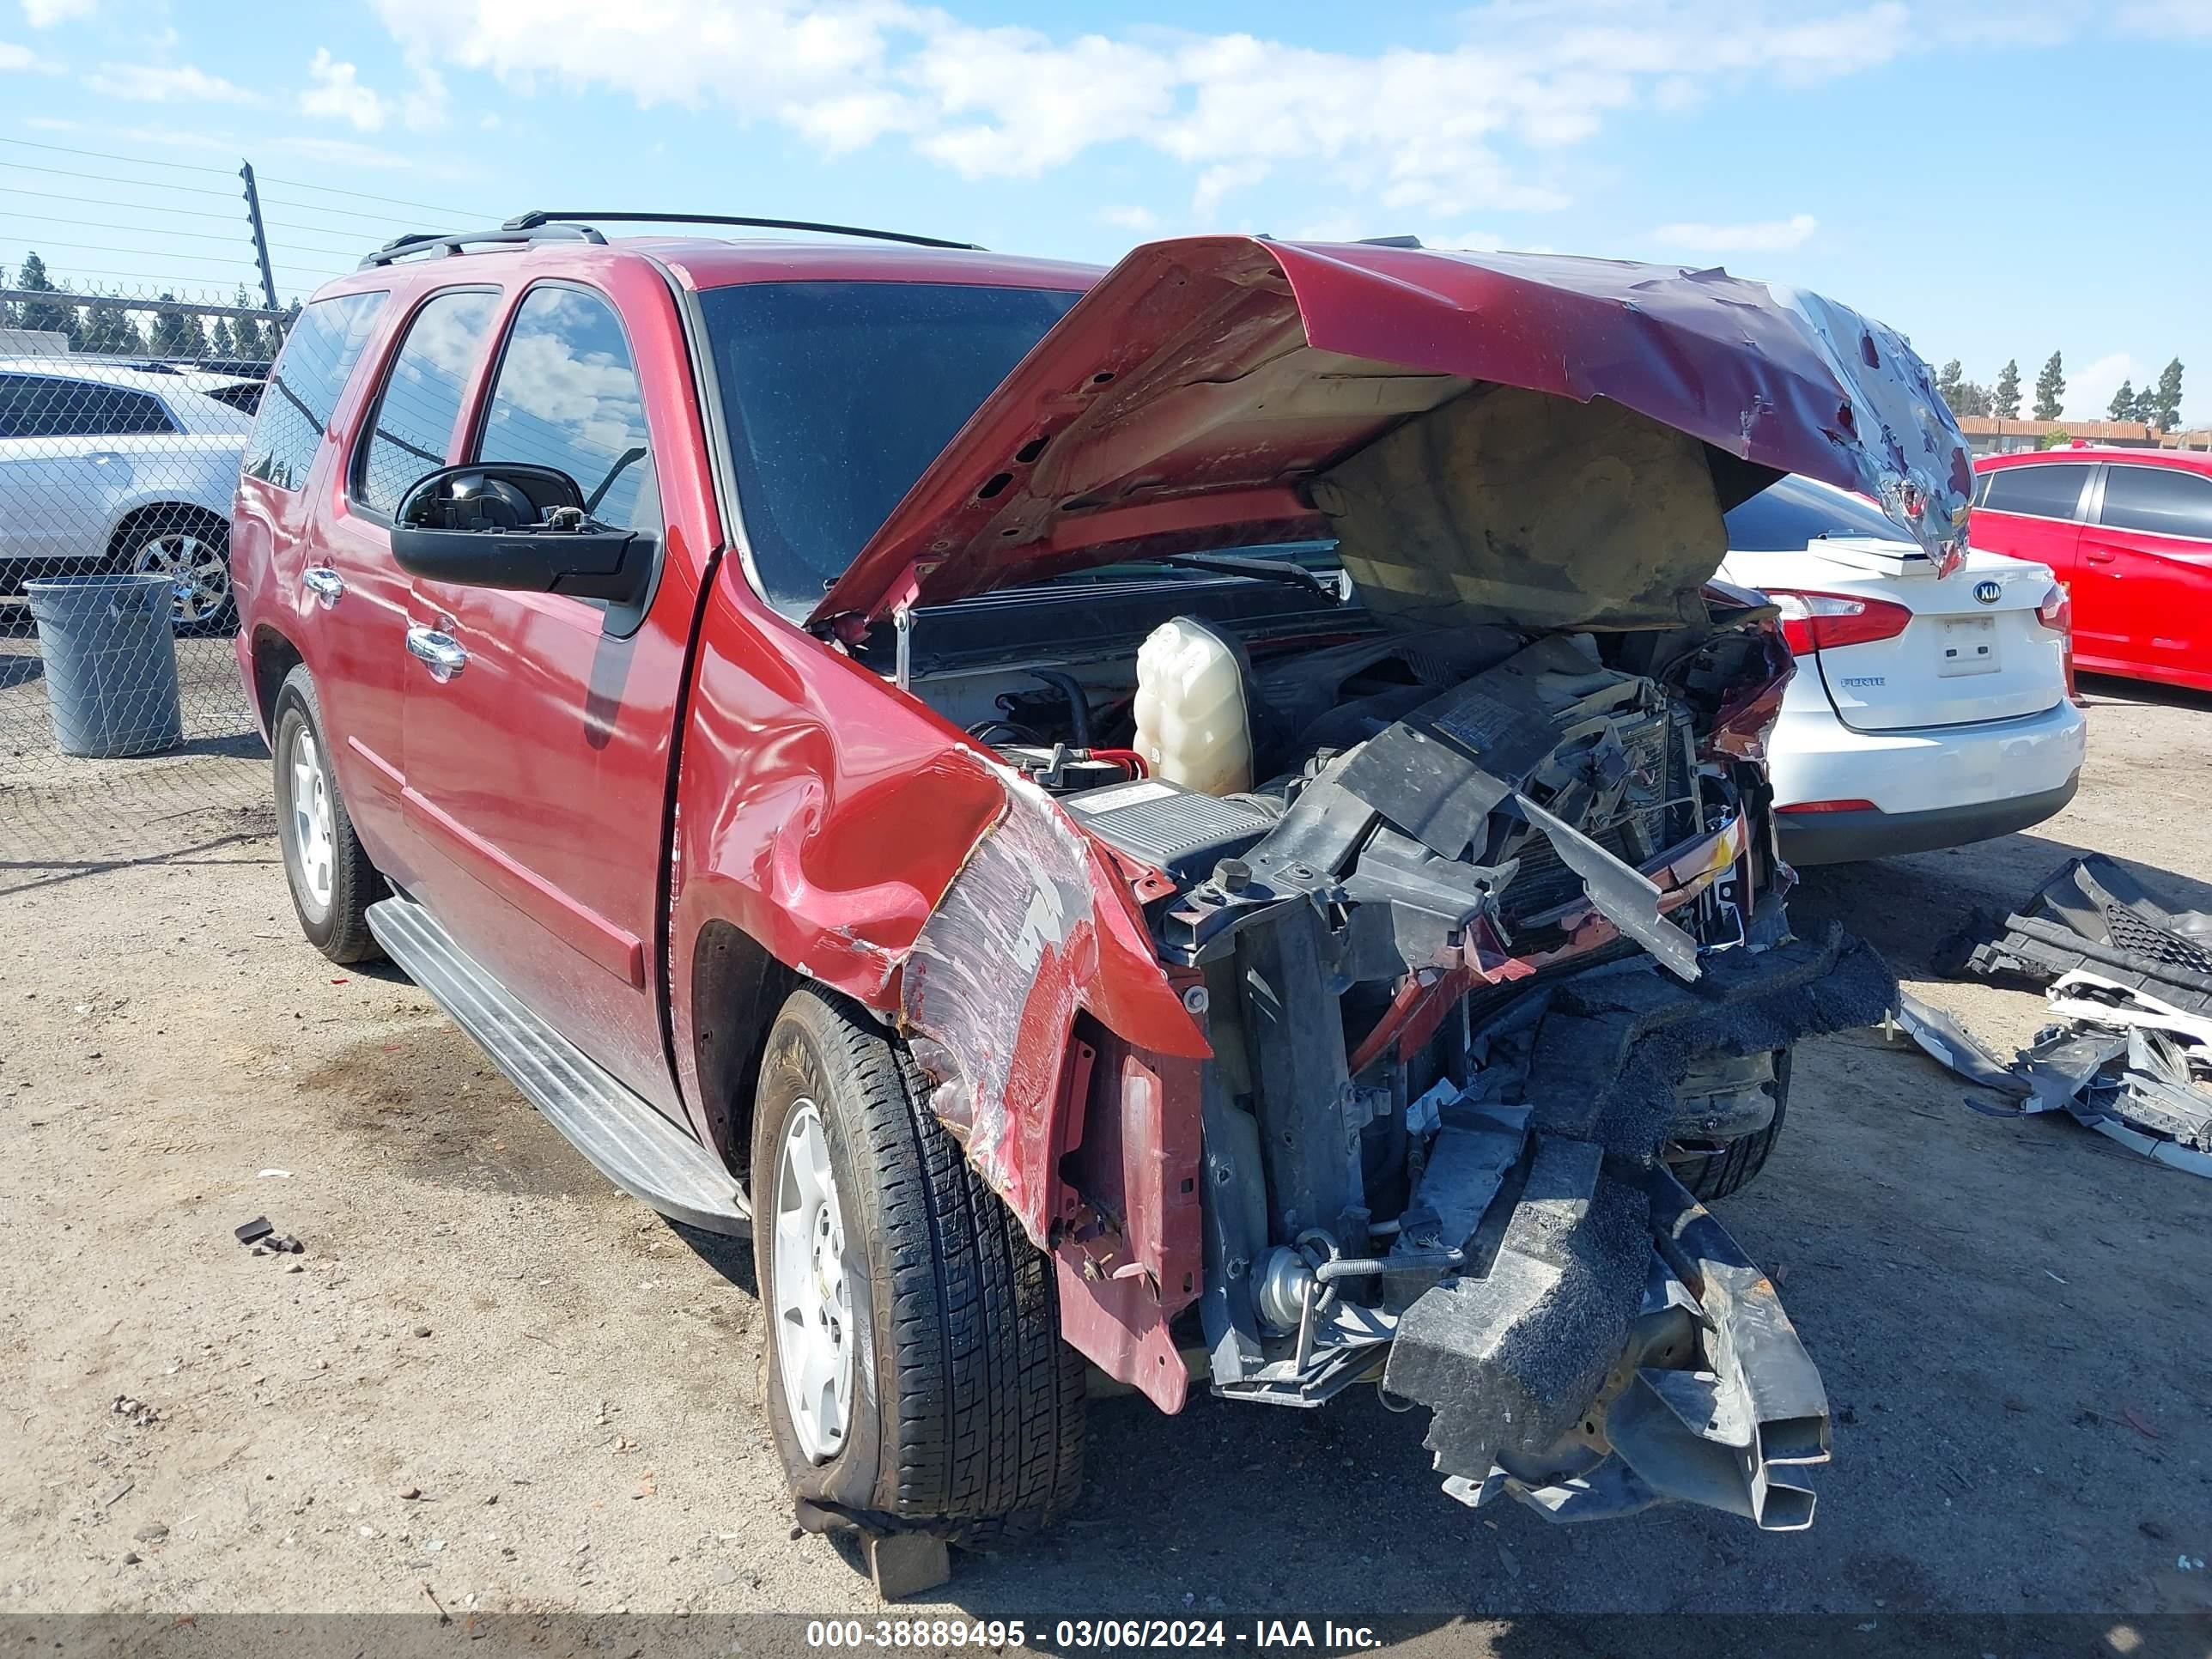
<point x="1968" y="645"/>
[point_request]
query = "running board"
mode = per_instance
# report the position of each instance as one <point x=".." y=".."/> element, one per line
<point x="632" y="1145"/>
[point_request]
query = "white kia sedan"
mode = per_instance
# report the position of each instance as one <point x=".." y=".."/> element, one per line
<point x="115" y="466"/>
<point x="1927" y="711"/>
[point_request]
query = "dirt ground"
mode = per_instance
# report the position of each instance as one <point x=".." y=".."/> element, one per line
<point x="492" y="1375"/>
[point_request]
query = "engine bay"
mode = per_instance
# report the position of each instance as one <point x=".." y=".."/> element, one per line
<point x="1489" y="947"/>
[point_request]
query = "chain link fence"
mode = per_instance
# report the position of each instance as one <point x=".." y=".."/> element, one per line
<point x="125" y="730"/>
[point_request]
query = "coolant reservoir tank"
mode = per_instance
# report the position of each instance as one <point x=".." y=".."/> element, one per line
<point x="1193" y="727"/>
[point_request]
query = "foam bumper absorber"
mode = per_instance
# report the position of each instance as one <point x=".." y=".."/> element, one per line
<point x="1622" y="1351"/>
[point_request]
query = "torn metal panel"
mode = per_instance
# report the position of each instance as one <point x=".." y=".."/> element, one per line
<point x="2122" y="1063"/>
<point x="1624" y="896"/>
<point x="1030" y="933"/>
<point x="1947" y="1042"/>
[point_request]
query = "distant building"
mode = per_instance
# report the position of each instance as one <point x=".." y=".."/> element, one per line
<point x="1990" y="436"/>
<point x="33" y="342"/>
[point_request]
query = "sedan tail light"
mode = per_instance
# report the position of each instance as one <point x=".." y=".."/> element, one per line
<point x="1815" y="621"/>
<point x="2057" y="614"/>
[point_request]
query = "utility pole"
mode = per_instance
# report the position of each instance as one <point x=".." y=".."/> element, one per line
<point x="260" y="236"/>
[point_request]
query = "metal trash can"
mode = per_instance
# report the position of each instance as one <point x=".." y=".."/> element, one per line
<point x="109" y="661"/>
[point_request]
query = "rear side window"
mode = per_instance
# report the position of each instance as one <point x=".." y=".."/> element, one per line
<point x="42" y="406"/>
<point x="2051" y="491"/>
<point x="318" y="358"/>
<point x="2160" y="501"/>
<point x="1790" y="515"/>
<point x="566" y="395"/>
<point x="422" y="397"/>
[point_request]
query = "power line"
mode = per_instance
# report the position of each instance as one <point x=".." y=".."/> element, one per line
<point x="105" y="156"/>
<point x="356" y="213"/>
<point x="77" y="296"/>
<point x="160" y="230"/>
<point x="110" y="179"/>
<point x="245" y="260"/>
<point x="134" y="207"/>
<point x="366" y="195"/>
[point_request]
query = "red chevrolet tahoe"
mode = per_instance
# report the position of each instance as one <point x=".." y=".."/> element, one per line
<point x="1206" y="817"/>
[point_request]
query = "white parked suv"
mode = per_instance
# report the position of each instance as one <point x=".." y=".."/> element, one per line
<point x="113" y="467"/>
<point x="1927" y="710"/>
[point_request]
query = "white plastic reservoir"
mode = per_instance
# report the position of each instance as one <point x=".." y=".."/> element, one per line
<point x="1193" y="727"/>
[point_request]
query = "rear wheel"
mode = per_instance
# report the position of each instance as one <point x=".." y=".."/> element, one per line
<point x="1714" y="1166"/>
<point x="332" y="882"/>
<point x="191" y="548"/>
<point x="916" y="1379"/>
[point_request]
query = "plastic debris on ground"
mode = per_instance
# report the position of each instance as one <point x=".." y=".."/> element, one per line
<point x="2117" y="1059"/>
<point x="2093" y="917"/>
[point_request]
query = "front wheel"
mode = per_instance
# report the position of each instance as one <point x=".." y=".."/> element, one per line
<point x="916" y="1380"/>
<point x="332" y="882"/>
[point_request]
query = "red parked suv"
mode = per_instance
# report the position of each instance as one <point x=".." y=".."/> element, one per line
<point x="1206" y="817"/>
<point x="2130" y="532"/>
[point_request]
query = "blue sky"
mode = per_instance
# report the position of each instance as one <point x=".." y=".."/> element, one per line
<point x="1995" y="178"/>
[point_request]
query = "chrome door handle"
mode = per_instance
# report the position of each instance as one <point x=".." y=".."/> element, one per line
<point x="325" y="584"/>
<point x="440" y="652"/>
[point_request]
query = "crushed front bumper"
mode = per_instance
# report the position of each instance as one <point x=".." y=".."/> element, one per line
<point x="1607" y="1344"/>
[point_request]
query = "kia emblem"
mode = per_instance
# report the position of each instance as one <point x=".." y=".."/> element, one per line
<point x="1988" y="593"/>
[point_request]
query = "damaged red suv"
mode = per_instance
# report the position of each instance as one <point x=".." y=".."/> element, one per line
<point x="1207" y="818"/>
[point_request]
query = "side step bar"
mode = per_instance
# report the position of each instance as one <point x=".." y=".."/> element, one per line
<point x="633" y="1145"/>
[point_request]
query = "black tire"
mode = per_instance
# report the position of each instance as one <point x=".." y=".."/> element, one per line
<point x="1713" y="1169"/>
<point x="337" y="926"/>
<point x="966" y="1409"/>
<point x="214" y="610"/>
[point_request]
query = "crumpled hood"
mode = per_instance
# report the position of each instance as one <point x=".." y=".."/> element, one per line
<point x="1199" y="393"/>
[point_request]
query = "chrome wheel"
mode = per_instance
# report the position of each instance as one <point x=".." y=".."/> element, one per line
<point x="814" y="1335"/>
<point x="198" y="572"/>
<point x="315" y="841"/>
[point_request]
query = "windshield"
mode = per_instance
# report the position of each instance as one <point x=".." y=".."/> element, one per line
<point x="838" y="395"/>
<point x="1790" y="514"/>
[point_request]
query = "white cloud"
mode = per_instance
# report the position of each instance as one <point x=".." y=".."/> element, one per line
<point x="166" y="83"/>
<point x="45" y="14"/>
<point x="2186" y="19"/>
<point x="1760" y="236"/>
<point x="335" y="93"/>
<point x="2089" y="389"/>
<point x="21" y="59"/>
<point x="1428" y="134"/>
<point x="1129" y="218"/>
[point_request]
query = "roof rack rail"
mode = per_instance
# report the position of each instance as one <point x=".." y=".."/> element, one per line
<point x="452" y="242"/>
<point x="548" y="220"/>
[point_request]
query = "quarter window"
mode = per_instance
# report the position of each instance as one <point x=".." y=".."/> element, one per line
<point x="317" y="359"/>
<point x="566" y="396"/>
<point x="422" y="397"/>
<point x="2049" y="491"/>
<point x="42" y="406"/>
<point x="2158" y="500"/>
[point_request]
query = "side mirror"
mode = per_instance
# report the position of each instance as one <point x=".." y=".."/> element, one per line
<point x="524" y="528"/>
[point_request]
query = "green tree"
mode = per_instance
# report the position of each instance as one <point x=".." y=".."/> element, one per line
<point x="2057" y="438"/>
<point x="1948" y="383"/>
<point x="2145" y="407"/>
<point x="2123" y="407"/>
<point x="220" y="345"/>
<point x="2005" y="405"/>
<point x="2167" y="407"/>
<point x="109" y="327"/>
<point x="2050" y="389"/>
<point x="1971" y="398"/>
<point x="41" y="315"/>
<point x="177" y="334"/>
<point x="247" y="332"/>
